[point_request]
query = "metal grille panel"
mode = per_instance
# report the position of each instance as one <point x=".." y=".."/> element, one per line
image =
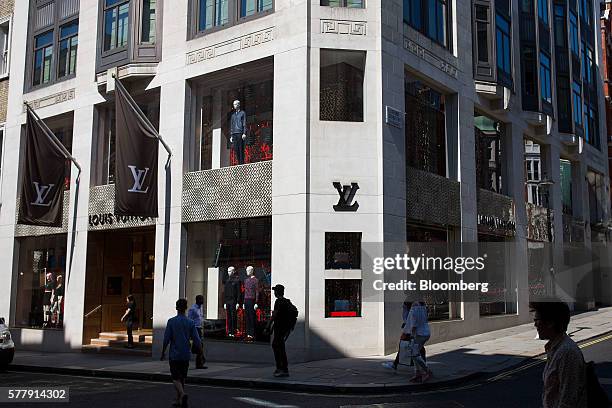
<point x="499" y="206"/>
<point x="231" y="192"/>
<point x="431" y="198"/>
<point x="22" y="230"/>
<point x="44" y="16"/>
<point x="102" y="208"/>
<point x="68" y="8"/>
<point x="538" y="219"/>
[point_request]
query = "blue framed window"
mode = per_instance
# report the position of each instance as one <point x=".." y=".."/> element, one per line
<point x="577" y="103"/>
<point x="574" y="44"/>
<point x="430" y="17"/>
<point x="504" y="46"/>
<point x="116" y="24"/>
<point x="328" y="3"/>
<point x="587" y="125"/>
<point x="543" y="11"/>
<point x="250" y="7"/>
<point x="560" y="26"/>
<point x="587" y="65"/>
<point x="545" y="84"/>
<point x="586" y="11"/>
<point x="43" y="56"/>
<point x="68" y="44"/>
<point x="212" y="13"/>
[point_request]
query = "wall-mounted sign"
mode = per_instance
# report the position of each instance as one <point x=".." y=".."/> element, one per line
<point x="393" y="117"/>
<point x="496" y="223"/>
<point x="96" y="220"/>
<point x="347" y="194"/>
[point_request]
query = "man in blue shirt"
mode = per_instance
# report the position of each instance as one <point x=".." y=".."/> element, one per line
<point x="179" y="331"/>
<point x="196" y="315"/>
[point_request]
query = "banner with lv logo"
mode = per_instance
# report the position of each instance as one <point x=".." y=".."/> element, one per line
<point x="137" y="155"/>
<point x="42" y="178"/>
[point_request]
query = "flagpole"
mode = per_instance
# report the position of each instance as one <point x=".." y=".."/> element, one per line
<point x="140" y="113"/>
<point x="53" y="138"/>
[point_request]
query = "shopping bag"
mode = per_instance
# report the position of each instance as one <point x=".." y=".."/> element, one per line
<point x="407" y="350"/>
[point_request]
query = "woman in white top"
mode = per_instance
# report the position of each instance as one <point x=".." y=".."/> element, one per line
<point x="418" y="327"/>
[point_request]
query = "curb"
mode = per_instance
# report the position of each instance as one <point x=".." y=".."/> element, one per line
<point x="265" y="384"/>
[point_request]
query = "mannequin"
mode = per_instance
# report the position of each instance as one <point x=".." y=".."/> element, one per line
<point x="238" y="131"/>
<point x="251" y="297"/>
<point x="58" y="300"/>
<point x="231" y="299"/>
<point x="48" y="294"/>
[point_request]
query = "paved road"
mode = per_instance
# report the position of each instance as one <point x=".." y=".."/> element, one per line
<point x="520" y="388"/>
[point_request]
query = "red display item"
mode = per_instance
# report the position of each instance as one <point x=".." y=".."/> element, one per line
<point x="343" y="314"/>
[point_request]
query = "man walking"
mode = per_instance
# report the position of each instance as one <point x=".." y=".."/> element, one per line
<point x="565" y="371"/>
<point x="281" y="324"/>
<point x="179" y="331"/>
<point x="196" y="315"/>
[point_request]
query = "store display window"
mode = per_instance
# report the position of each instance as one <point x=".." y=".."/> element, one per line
<point x="39" y="302"/>
<point x="234" y="116"/>
<point x="229" y="263"/>
<point x="343" y="250"/>
<point x="343" y="298"/>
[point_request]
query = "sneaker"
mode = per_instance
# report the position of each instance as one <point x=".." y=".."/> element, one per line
<point x="283" y="374"/>
<point x="389" y="365"/>
<point x="276" y="373"/>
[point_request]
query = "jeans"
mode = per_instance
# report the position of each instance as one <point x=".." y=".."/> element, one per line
<point x="129" y="324"/>
<point x="200" y="359"/>
<point x="280" y="354"/>
<point x="249" y="305"/>
<point x="419" y="362"/>
<point x="230" y="310"/>
<point x="238" y="147"/>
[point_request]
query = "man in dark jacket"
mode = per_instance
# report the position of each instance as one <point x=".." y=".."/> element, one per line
<point x="281" y="326"/>
<point x="231" y="299"/>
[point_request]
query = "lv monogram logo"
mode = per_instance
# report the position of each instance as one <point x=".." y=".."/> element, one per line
<point x="346" y="193"/>
<point x="139" y="179"/>
<point x="42" y="192"/>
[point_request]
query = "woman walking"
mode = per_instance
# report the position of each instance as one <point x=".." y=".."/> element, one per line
<point x="418" y="328"/>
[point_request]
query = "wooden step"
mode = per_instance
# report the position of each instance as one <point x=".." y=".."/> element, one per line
<point x="90" y="348"/>
<point x="119" y="336"/>
<point x="119" y="343"/>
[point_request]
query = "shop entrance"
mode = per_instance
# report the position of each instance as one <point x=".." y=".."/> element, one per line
<point x="119" y="263"/>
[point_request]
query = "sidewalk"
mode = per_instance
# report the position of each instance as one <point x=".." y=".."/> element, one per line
<point x="452" y="362"/>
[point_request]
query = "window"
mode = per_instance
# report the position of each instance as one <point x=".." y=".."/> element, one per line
<point x="344" y="3"/>
<point x="343" y="250"/>
<point x="504" y="46"/>
<point x="39" y="302"/>
<point x="482" y="33"/>
<point x="577" y="103"/>
<point x="587" y="65"/>
<point x="560" y="26"/>
<point x="251" y="7"/>
<point x="530" y="78"/>
<point x="489" y="155"/>
<point x="575" y="45"/>
<point x="212" y="247"/>
<point x="586" y="11"/>
<point x="543" y="11"/>
<point x="212" y="13"/>
<point x="590" y="126"/>
<point x="43" y="55"/>
<point x="149" y="21"/>
<point x="116" y="24"/>
<point x="68" y="49"/>
<point x="430" y="17"/>
<point x="341" y="93"/>
<point x="566" y="185"/>
<point x="5" y="43"/>
<point x="342" y="298"/>
<point x="426" y="134"/>
<point x="545" y="84"/>
<point x="564" y="103"/>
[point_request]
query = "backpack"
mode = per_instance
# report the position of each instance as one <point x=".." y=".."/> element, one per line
<point x="596" y="396"/>
<point x="292" y="314"/>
